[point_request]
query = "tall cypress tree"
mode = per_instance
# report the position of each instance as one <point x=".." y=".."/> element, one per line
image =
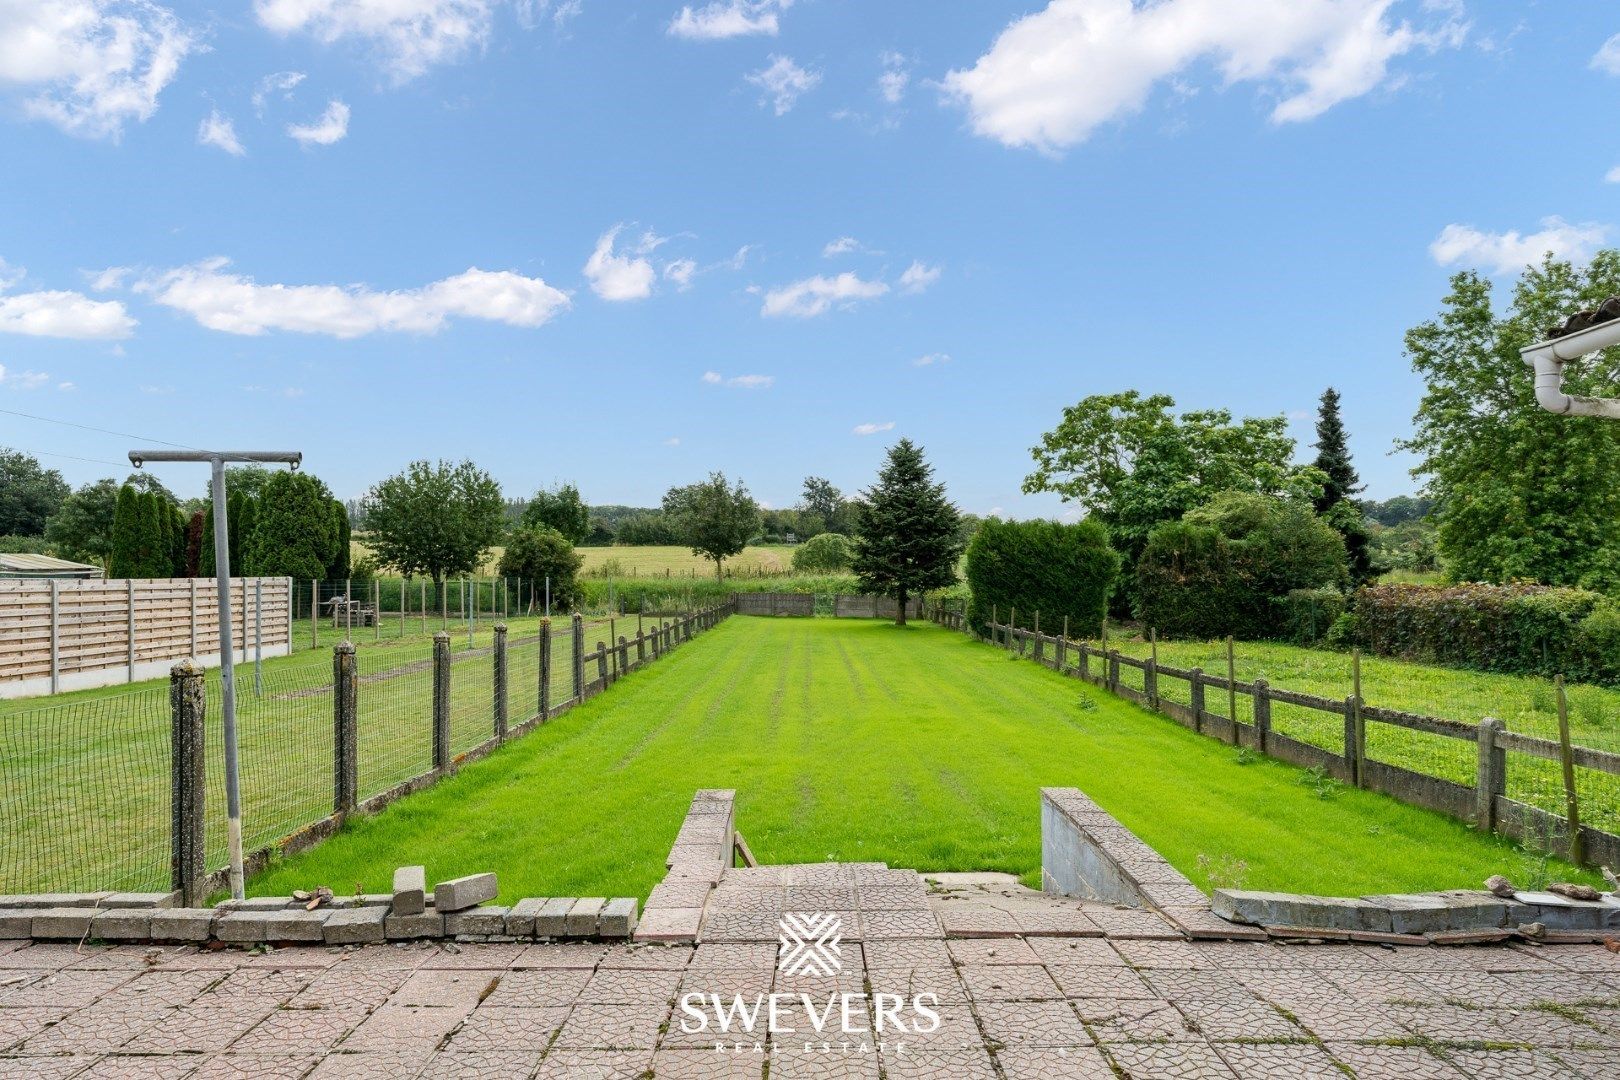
<point x="908" y="533"/>
<point x="1336" y="504"/>
<point x="337" y="568"/>
<point x="125" y="560"/>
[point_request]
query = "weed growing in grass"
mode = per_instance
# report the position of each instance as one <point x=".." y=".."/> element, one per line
<point x="1245" y="756"/>
<point x="1533" y="868"/>
<point x="1322" y="785"/>
<point x="1087" y="704"/>
<point x="1224" y="871"/>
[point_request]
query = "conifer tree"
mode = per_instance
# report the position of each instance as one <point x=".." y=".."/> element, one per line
<point x="908" y="537"/>
<point x="1336" y="503"/>
<point x="125" y="559"/>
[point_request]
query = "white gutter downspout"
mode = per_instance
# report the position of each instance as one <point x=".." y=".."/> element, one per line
<point x="1548" y="359"/>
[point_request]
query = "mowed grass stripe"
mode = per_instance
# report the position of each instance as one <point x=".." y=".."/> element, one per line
<point x="857" y="740"/>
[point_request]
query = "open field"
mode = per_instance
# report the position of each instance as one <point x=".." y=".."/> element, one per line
<point x="1523" y="703"/>
<point x="84" y="777"/>
<point x="857" y="740"/>
<point x="652" y="560"/>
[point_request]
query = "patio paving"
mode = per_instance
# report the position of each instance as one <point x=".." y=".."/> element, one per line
<point x="1077" y="990"/>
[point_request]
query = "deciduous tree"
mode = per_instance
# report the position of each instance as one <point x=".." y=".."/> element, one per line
<point x="82" y="527"/>
<point x="715" y="518"/>
<point x="538" y="554"/>
<point x="29" y="494"/>
<point x="435" y="519"/>
<point x="907" y="531"/>
<point x="562" y="509"/>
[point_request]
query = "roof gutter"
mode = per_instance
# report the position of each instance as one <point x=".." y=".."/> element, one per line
<point x="1548" y="358"/>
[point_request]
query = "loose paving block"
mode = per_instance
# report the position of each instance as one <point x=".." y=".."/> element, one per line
<point x="584" y="916"/>
<point x="182" y="924"/>
<point x="618" y="918"/>
<point x="481" y="921"/>
<point x="356" y="926"/>
<point x="520" y="917"/>
<point x="552" y="919"/>
<point x="462" y="893"/>
<point x="1424" y="913"/>
<point x="670" y="924"/>
<point x="259" y="903"/>
<point x="63" y="923"/>
<point x="410" y="890"/>
<point x="16" y="923"/>
<point x="142" y="900"/>
<point x="52" y="900"/>
<point x="423" y="924"/>
<point x="122" y="924"/>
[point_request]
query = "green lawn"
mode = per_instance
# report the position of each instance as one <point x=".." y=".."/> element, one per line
<point x="857" y="740"/>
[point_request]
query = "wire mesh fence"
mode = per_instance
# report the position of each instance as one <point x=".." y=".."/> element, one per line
<point x="84" y="794"/>
<point x="86" y="798"/>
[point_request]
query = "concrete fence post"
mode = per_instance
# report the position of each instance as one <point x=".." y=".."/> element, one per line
<point x="441" y="701"/>
<point x="641" y="647"/>
<point x="345" y="729"/>
<point x="545" y="668"/>
<point x="601" y="664"/>
<point x="1262" y="714"/>
<point x="1085" y="660"/>
<point x="1150" y="681"/>
<point x="1113" y="670"/>
<point x="1354" y="752"/>
<point x="669" y="641"/>
<point x="129" y="599"/>
<point x="188" y="702"/>
<point x="1490" y="778"/>
<point x="1195" y="682"/>
<point x="578" y="658"/>
<point x="56" y="635"/>
<point x="499" y="689"/>
<point x="624" y="655"/>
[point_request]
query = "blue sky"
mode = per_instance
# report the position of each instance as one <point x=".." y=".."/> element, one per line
<point x="627" y="243"/>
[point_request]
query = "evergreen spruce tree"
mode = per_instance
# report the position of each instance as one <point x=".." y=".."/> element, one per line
<point x="124" y="561"/>
<point x="1336" y="503"/>
<point x="908" y="537"/>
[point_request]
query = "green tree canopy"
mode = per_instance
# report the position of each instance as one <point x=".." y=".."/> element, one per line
<point x="908" y="533"/>
<point x="1132" y="464"/>
<point x="713" y="517"/>
<point x="29" y="494"/>
<point x="82" y="527"/>
<point x="826" y="506"/>
<point x="338" y="569"/>
<point x="1063" y="572"/>
<point x="562" y="509"/>
<point x="535" y="553"/>
<point x="824" y="553"/>
<point x="1521" y="493"/>
<point x="436" y="519"/>
<point x="293" y="533"/>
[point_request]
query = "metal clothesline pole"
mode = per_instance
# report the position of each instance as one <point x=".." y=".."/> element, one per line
<point x="222" y="577"/>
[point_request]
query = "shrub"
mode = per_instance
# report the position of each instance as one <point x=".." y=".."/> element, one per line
<point x="824" y="553"/>
<point x="1309" y="615"/>
<point x="1519" y="629"/>
<point x="1061" y="571"/>
<point x="1229" y="567"/>
<point x="537" y="552"/>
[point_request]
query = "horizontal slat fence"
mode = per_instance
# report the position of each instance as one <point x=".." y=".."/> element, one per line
<point x="59" y="634"/>
<point x="1465" y="768"/>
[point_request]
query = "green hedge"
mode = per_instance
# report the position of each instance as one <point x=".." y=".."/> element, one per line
<point x="1519" y="629"/>
<point x="1061" y="571"/>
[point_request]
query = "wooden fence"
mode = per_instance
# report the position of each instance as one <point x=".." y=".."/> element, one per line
<point x="874" y="607"/>
<point x="775" y="603"/>
<point x="71" y="635"/>
<point x="1485" y="803"/>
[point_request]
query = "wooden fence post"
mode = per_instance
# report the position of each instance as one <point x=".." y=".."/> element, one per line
<point x="1572" y="803"/>
<point x="1195" y="681"/>
<point x="187" y="792"/>
<point x="1360" y="719"/>
<point x="1063" y="645"/>
<point x="579" y="656"/>
<point x="1113" y="670"/>
<point x="1262" y="714"/>
<point x="1150" y="682"/>
<point x="545" y="668"/>
<point x="1354" y="751"/>
<point x="1490" y="776"/>
<point x="1231" y="688"/>
<point x="499" y="689"/>
<point x="1085" y="661"/>
<point x="441" y="701"/>
<point x="345" y="727"/>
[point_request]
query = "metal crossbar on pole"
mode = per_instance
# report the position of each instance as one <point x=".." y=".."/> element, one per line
<point x="222" y="573"/>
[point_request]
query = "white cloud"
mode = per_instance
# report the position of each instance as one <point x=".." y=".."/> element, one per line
<point x="1612" y="176"/>
<point x="1607" y="59"/>
<point x="931" y="359"/>
<point x="1051" y="78"/>
<point x="673" y="440"/>
<point x="741" y="382"/>
<point x="66" y="387"/>
<point x="844" y="245"/>
<point x="728" y="19"/>
<point x="919" y="276"/>
<point x="783" y="82"/>
<point x="57" y="313"/>
<point x="410" y="36"/>
<point x="1510" y="252"/>
<point x="873" y="429"/>
<point x="24" y="380"/>
<point x="628" y="276"/>
<point x="816" y="295"/>
<point x="90" y="66"/>
<point x="895" y="78"/>
<point x="681" y="272"/>
<point x="280" y="82"/>
<point x="330" y="127"/>
<point x="217" y="130"/>
<point x="236" y="304"/>
<point x="100" y="280"/>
